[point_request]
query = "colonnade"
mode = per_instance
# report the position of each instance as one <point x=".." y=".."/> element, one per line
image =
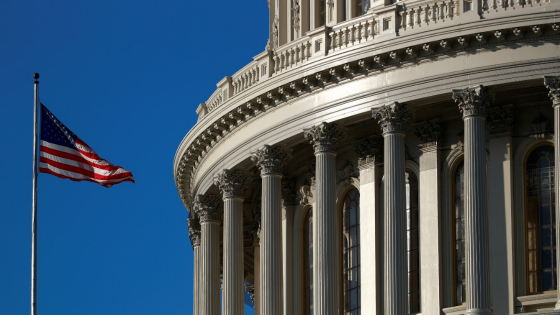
<point x="271" y="161"/>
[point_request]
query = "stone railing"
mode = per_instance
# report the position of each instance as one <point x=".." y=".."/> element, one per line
<point x="353" y="32"/>
<point x="427" y="13"/>
<point x="292" y="55"/>
<point x="215" y="100"/>
<point x="246" y="77"/>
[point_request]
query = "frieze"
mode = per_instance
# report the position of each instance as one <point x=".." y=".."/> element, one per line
<point x="271" y="159"/>
<point x="393" y="118"/>
<point x="325" y="136"/>
<point x="206" y="207"/>
<point x="473" y="101"/>
<point x="232" y="183"/>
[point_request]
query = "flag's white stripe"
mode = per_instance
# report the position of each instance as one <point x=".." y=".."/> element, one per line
<point x="80" y="176"/>
<point x="83" y="166"/>
<point x="73" y="151"/>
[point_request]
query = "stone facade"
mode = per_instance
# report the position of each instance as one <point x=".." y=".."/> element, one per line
<point x="452" y="97"/>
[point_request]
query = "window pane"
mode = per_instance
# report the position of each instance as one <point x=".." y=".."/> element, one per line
<point x="540" y="220"/>
<point x="351" y="250"/>
<point x="459" y="234"/>
<point x="413" y="242"/>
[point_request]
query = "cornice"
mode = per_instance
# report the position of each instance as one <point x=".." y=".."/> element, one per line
<point x="216" y="125"/>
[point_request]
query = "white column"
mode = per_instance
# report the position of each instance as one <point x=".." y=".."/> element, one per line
<point x="429" y="134"/>
<point x="271" y="161"/>
<point x="326" y="288"/>
<point x="500" y="214"/>
<point x="232" y="187"/>
<point x="392" y="119"/>
<point x="371" y="215"/>
<point x="473" y="104"/>
<point x="206" y="208"/>
<point x="194" y="235"/>
<point x="553" y="85"/>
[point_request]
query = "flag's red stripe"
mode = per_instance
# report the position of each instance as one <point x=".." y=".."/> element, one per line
<point x="82" y="171"/>
<point x="48" y="171"/>
<point x="77" y="158"/>
<point x="91" y="154"/>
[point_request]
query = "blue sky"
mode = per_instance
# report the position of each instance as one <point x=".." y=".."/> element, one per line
<point x="126" y="77"/>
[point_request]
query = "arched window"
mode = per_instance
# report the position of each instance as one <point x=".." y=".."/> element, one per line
<point x="308" y="262"/>
<point x="351" y="252"/>
<point x="541" y="221"/>
<point x="458" y="201"/>
<point x="413" y="243"/>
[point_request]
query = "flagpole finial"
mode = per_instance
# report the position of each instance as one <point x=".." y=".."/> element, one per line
<point x="36" y="76"/>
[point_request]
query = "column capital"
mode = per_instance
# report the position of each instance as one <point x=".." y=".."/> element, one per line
<point x="232" y="183"/>
<point x="325" y="136"/>
<point x="288" y="192"/>
<point x="369" y="150"/>
<point x="500" y="119"/>
<point x="429" y="134"/>
<point x="194" y="231"/>
<point x="552" y="83"/>
<point x="271" y="159"/>
<point x="392" y="117"/>
<point x="206" y="207"/>
<point x="472" y="101"/>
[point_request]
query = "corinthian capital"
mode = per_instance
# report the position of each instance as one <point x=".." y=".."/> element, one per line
<point x="206" y="207"/>
<point x="369" y="150"/>
<point x="194" y="231"/>
<point x="231" y="183"/>
<point x="324" y="136"/>
<point x="473" y="101"/>
<point x="271" y="159"/>
<point x="429" y="133"/>
<point x="553" y="85"/>
<point x="393" y="117"/>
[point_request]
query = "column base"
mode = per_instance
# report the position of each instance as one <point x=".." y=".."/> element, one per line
<point x="479" y="311"/>
<point x="557" y="306"/>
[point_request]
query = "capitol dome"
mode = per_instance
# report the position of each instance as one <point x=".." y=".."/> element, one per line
<point x="382" y="157"/>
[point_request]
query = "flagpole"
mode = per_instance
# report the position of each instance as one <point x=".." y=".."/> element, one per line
<point x="34" y="211"/>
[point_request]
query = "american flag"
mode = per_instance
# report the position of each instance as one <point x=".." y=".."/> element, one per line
<point x="65" y="155"/>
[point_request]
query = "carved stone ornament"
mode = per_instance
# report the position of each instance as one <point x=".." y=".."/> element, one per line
<point x="288" y="192"/>
<point x="429" y="133"/>
<point x="500" y="119"/>
<point x="250" y="288"/>
<point x="346" y="173"/>
<point x="305" y="193"/>
<point x="553" y="85"/>
<point x="540" y="127"/>
<point x="271" y="159"/>
<point x="369" y="150"/>
<point x="275" y="36"/>
<point x="473" y="101"/>
<point x="231" y="183"/>
<point x="194" y="231"/>
<point x="295" y="14"/>
<point x="393" y="117"/>
<point x="206" y="207"/>
<point x="325" y="136"/>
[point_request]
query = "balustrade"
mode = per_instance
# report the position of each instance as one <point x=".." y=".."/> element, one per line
<point x="353" y="32"/>
<point x="291" y="55"/>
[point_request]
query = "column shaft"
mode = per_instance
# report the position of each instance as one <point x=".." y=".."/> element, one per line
<point x="552" y="83"/>
<point x="476" y="218"/>
<point x="233" y="295"/>
<point x="210" y="268"/>
<point x="196" y="281"/>
<point x="396" y="285"/>
<point x="325" y="249"/>
<point x="271" y="245"/>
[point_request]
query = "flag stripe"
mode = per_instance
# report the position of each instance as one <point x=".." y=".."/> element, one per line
<point x="45" y="157"/>
<point x="45" y="168"/>
<point x="79" y="170"/>
<point x="74" y="157"/>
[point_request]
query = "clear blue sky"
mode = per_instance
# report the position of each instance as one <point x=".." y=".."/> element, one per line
<point x="126" y="77"/>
